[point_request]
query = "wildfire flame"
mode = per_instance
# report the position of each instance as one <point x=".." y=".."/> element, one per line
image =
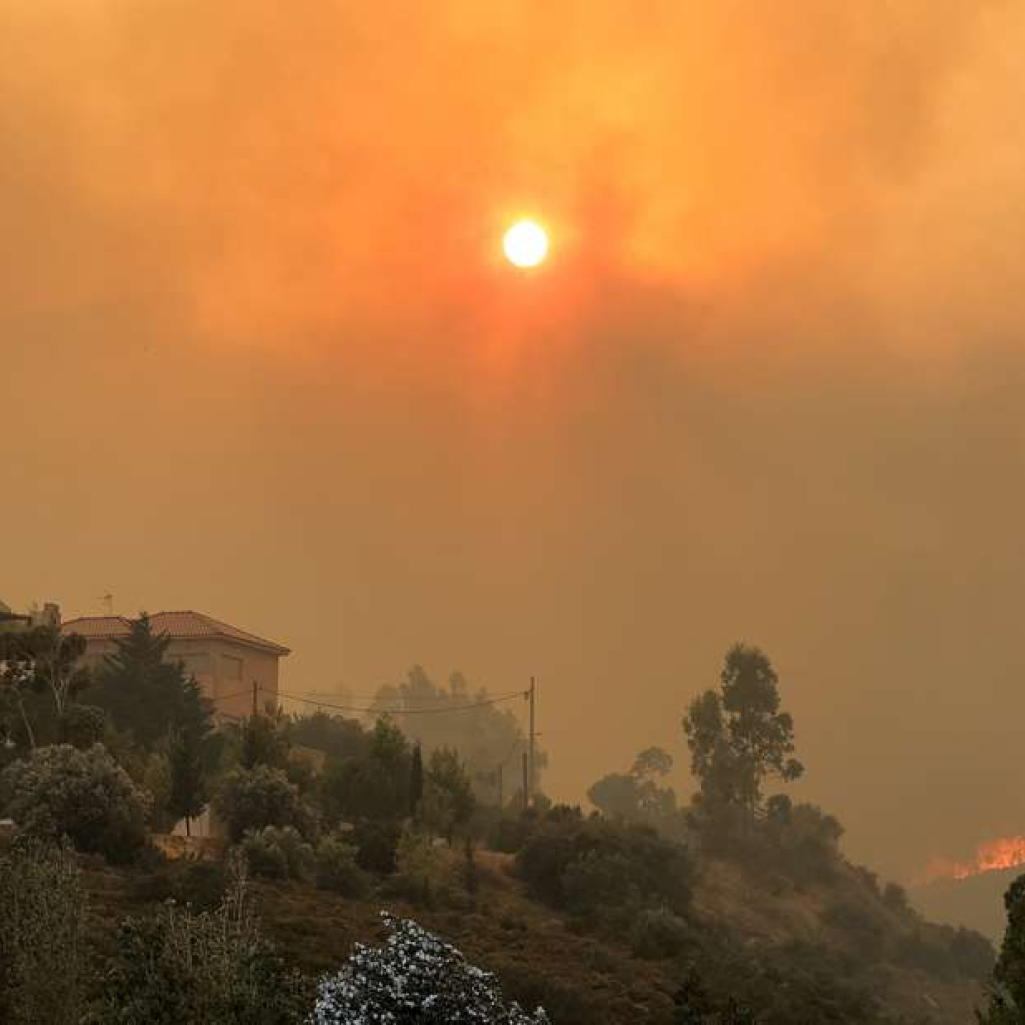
<point x="991" y="856"/>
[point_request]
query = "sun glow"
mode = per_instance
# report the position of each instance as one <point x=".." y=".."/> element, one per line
<point x="525" y="244"/>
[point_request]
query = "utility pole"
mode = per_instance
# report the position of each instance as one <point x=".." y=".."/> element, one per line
<point x="533" y="769"/>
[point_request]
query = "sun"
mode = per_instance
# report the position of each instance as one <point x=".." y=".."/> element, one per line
<point x="525" y="244"/>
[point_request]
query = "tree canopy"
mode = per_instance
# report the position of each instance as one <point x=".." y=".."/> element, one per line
<point x="143" y="692"/>
<point x="737" y="735"/>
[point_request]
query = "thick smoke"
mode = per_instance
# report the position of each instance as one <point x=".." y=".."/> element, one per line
<point x="261" y="357"/>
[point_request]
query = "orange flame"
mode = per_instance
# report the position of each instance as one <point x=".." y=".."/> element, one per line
<point x="991" y="856"/>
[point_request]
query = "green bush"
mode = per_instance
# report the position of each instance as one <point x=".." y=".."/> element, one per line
<point x="376" y="843"/>
<point x="84" y="795"/>
<point x="895" y="897"/>
<point x="802" y="841"/>
<point x="337" y="870"/>
<point x="658" y="933"/>
<point x="211" y="967"/>
<point x="731" y="985"/>
<point x="595" y="866"/>
<point x="597" y="880"/>
<point x="251" y="799"/>
<point x="973" y="954"/>
<point x="278" y="853"/>
<point x="858" y="924"/>
<point x="42" y="938"/>
<point x="83" y="725"/>
<point x="199" y="884"/>
<point x="421" y="875"/>
<point x="509" y="833"/>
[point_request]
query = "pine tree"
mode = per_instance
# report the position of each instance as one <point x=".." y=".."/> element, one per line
<point x="141" y="692"/>
<point x="416" y="781"/>
<point x="189" y="756"/>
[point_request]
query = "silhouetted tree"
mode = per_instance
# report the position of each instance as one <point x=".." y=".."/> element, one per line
<point x="189" y="756"/>
<point x="635" y="796"/>
<point x="265" y="740"/>
<point x="40" y="674"/>
<point x="738" y="736"/>
<point x="374" y="785"/>
<point x="448" y="796"/>
<point x="1007" y="993"/>
<point x="484" y="733"/>
<point x="142" y="692"/>
<point x="416" y="781"/>
<point x="336" y="736"/>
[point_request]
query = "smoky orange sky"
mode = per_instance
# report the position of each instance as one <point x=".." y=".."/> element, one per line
<point x="261" y="358"/>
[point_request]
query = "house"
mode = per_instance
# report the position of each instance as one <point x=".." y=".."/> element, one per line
<point x="228" y="663"/>
<point x="13" y="622"/>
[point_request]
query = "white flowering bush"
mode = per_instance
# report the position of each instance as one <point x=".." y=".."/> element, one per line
<point x="414" y="978"/>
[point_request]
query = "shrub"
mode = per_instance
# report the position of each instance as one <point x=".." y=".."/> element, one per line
<point x="564" y="999"/>
<point x="84" y="795"/>
<point x="659" y="933"/>
<point x="250" y="799"/>
<point x="42" y="938"/>
<point x="337" y="869"/>
<point x="924" y="948"/>
<point x="421" y="876"/>
<point x="858" y="922"/>
<point x="509" y="833"/>
<point x="895" y="897"/>
<point x="973" y="954"/>
<point x="83" y="725"/>
<point x="595" y="880"/>
<point x="376" y="844"/>
<point x="278" y="853"/>
<point x="414" y="977"/>
<point x="199" y="884"/>
<point x="594" y="865"/>
<point x="211" y="967"/>
<point x="803" y="841"/>
<point x="774" y="986"/>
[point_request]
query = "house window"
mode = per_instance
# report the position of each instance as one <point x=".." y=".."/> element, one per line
<point x="195" y="663"/>
<point x="231" y="668"/>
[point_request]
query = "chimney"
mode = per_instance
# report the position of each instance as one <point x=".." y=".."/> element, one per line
<point x="49" y="615"/>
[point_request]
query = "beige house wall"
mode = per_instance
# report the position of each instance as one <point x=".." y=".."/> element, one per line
<point x="224" y="669"/>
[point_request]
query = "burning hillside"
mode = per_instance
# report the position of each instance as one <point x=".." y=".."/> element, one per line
<point x="990" y="856"/>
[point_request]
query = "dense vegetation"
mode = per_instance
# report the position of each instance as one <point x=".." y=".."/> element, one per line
<point x="96" y="765"/>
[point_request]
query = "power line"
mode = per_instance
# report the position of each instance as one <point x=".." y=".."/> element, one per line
<point x="237" y="694"/>
<point x="498" y="699"/>
<point x="390" y="705"/>
<point x="396" y="710"/>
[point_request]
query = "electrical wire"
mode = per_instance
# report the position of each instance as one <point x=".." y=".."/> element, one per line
<point x="407" y="711"/>
<point x="237" y="694"/>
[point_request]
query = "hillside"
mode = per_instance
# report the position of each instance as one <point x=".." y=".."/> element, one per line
<point x="976" y="902"/>
<point x="795" y="934"/>
<point x="843" y="921"/>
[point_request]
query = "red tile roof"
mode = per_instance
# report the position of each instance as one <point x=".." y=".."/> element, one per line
<point x="176" y="625"/>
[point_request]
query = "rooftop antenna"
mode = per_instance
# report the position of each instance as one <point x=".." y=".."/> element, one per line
<point x="108" y="603"/>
